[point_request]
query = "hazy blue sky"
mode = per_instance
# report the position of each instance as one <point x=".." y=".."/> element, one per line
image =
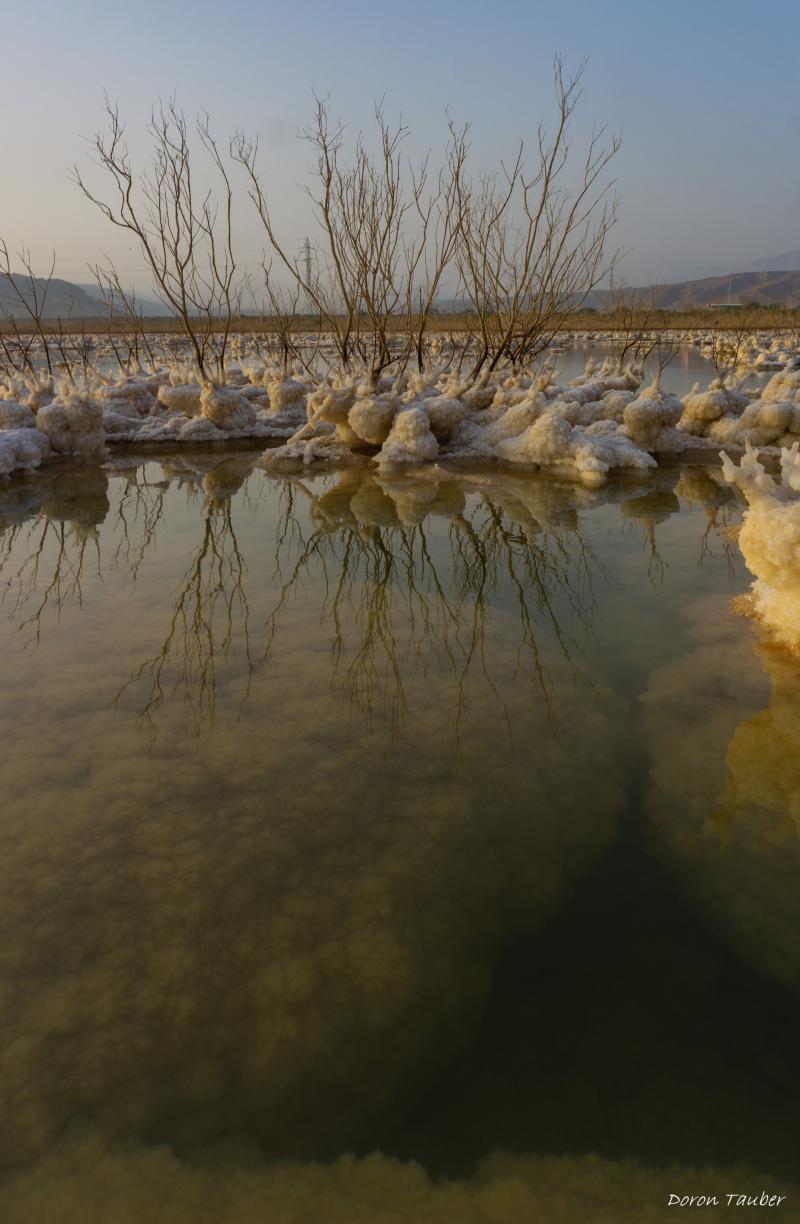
<point x="706" y="94"/>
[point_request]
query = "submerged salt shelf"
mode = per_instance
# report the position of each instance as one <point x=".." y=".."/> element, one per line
<point x="328" y="801"/>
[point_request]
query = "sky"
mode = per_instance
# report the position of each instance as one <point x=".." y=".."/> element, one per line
<point x="706" y="95"/>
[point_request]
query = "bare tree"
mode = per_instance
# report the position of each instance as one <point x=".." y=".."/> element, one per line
<point x="530" y="247"/>
<point x="283" y="306"/>
<point x="30" y="294"/>
<point x="186" y="237"/>
<point x="125" y="329"/>
<point x="389" y="231"/>
<point x="727" y="347"/>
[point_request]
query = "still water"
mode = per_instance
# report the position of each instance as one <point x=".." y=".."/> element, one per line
<point x="429" y="816"/>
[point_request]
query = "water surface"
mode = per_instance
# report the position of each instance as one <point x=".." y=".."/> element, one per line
<point x="429" y="815"/>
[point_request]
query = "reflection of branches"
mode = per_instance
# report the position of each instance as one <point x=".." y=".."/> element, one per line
<point x="721" y="504"/>
<point x="393" y="607"/>
<point x="63" y="550"/>
<point x="650" y="510"/>
<point x="503" y="596"/>
<point x="210" y="600"/>
<point x="141" y="504"/>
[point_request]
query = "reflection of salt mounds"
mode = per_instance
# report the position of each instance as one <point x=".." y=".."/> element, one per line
<point x="400" y="497"/>
<point x="728" y="820"/>
<point x="76" y="497"/>
<point x="770" y="540"/>
<point x="84" y="1182"/>
<point x="79" y="498"/>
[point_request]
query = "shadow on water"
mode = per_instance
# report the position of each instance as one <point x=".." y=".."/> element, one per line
<point x="626" y="1028"/>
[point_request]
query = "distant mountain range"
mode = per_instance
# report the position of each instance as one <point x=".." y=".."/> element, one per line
<point x="769" y="281"/>
<point x="148" y="306"/>
<point x="64" y="300"/>
<point x="767" y="286"/>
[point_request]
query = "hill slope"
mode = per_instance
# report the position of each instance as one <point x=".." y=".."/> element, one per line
<point x="768" y="288"/>
<point x="64" y="300"/>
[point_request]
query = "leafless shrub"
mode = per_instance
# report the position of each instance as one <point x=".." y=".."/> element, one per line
<point x="186" y="237"/>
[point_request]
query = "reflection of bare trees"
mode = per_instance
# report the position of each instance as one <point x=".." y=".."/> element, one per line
<point x="138" y="514"/>
<point x="63" y="551"/>
<point x="55" y="546"/>
<point x="649" y="510"/>
<point x="208" y="627"/>
<point x="722" y="504"/>
<point x="210" y="606"/>
<point x="398" y="604"/>
<point x="472" y="582"/>
<point x="698" y="486"/>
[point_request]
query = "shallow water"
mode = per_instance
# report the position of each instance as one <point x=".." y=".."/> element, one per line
<point x="431" y="815"/>
<point x="689" y="366"/>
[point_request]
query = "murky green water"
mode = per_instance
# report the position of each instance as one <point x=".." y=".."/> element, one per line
<point x="433" y="816"/>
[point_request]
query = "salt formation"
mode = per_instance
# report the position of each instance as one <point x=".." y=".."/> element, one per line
<point x="226" y="408"/>
<point x="183" y="398"/>
<point x="600" y="423"/>
<point x="22" y="450"/>
<point x="73" y="422"/>
<point x="651" y="418"/>
<point x="728" y="821"/>
<point x="16" y="416"/>
<point x="410" y="439"/>
<point x="86" y="1181"/>
<point x="770" y="539"/>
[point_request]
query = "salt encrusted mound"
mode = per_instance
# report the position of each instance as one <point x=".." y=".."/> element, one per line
<point x="761" y="423"/>
<point x="770" y="539"/>
<point x="73" y="422"/>
<point x="321" y="451"/>
<point x="410" y="440"/>
<point x="130" y="396"/>
<point x="727" y="823"/>
<point x="651" y="418"/>
<point x="85" y="1180"/>
<point x="701" y="408"/>
<point x="284" y="391"/>
<point x="551" y="443"/>
<point x="599" y="423"/>
<point x="184" y="398"/>
<point x="22" y="450"/>
<point x="371" y="417"/>
<point x="15" y="416"/>
<point x="226" y="408"/>
<point x="785" y="385"/>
